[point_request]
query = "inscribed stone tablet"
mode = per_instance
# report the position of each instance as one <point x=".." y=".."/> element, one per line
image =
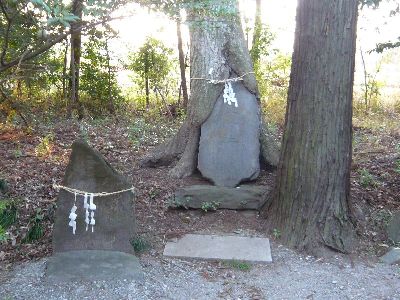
<point x="229" y="148"/>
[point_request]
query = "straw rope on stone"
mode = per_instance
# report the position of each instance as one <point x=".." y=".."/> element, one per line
<point x="88" y="204"/>
<point x="83" y="193"/>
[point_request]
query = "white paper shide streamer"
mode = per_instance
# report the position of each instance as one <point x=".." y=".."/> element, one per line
<point x="72" y="217"/>
<point x="92" y="208"/>
<point x="89" y="207"/>
<point x="88" y="204"/>
<point x="229" y="94"/>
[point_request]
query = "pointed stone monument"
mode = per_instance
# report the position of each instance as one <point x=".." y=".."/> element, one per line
<point x="95" y="251"/>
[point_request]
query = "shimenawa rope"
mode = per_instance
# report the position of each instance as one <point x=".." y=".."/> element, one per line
<point x="82" y="193"/>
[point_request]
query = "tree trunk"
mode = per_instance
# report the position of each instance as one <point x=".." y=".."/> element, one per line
<point x="310" y="203"/>
<point x="111" y="106"/>
<point x="64" y="76"/>
<point x="255" y="52"/>
<point x="218" y="50"/>
<point x="77" y="8"/>
<point x="147" y="87"/>
<point x="182" y="65"/>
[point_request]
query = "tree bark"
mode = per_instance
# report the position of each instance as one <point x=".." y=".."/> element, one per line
<point x="76" y="41"/>
<point x="182" y="65"/>
<point x="64" y="78"/>
<point x="147" y="88"/>
<point x="218" y="50"/>
<point x="111" y="106"/>
<point x="310" y="203"/>
<point x="255" y="53"/>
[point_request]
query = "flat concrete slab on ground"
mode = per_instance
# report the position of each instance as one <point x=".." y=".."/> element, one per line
<point x="218" y="247"/>
<point x="91" y="265"/>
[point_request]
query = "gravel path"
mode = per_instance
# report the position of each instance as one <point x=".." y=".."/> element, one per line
<point x="290" y="276"/>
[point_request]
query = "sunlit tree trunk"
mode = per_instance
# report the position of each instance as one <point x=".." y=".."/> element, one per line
<point x="310" y="204"/>
<point x="111" y="105"/>
<point x="255" y="52"/>
<point x="217" y="44"/>
<point x="77" y="8"/>
<point x="182" y="65"/>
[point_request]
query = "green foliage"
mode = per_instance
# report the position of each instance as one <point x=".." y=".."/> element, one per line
<point x="397" y="166"/>
<point x="98" y="81"/>
<point x="370" y="3"/>
<point x="151" y="132"/>
<point x="44" y="148"/>
<point x="154" y="193"/>
<point x="211" y="8"/>
<point x="174" y="202"/>
<point x="3" y="185"/>
<point x="210" y="206"/>
<point x="381" y="218"/>
<point x="3" y="235"/>
<point x="152" y="64"/>
<point x="36" y="230"/>
<point x="272" y="69"/>
<point x="371" y="90"/>
<point x="56" y="12"/>
<point x="152" y="60"/>
<point x="276" y="233"/>
<point x="140" y="245"/>
<point x="273" y="79"/>
<point x="31" y="69"/>
<point x="367" y="179"/>
<point x="262" y="46"/>
<point x="8" y="216"/>
<point x="238" y="265"/>
<point x="8" y="213"/>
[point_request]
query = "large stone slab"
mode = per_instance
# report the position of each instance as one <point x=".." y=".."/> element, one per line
<point x="91" y="265"/>
<point x="214" y="247"/>
<point x="200" y="196"/>
<point x="229" y="148"/>
<point x="393" y="229"/>
<point x="115" y="219"/>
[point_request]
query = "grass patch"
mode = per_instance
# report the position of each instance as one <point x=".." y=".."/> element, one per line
<point x="210" y="206"/>
<point x="143" y="132"/>
<point x="36" y="230"/>
<point x="8" y="213"/>
<point x="367" y="179"/>
<point x="140" y="245"/>
<point x="237" y="265"/>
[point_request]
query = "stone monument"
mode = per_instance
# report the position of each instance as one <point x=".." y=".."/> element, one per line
<point x="229" y="150"/>
<point x="100" y="249"/>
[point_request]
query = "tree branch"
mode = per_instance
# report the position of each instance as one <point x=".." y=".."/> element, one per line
<point x="27" y="55"/>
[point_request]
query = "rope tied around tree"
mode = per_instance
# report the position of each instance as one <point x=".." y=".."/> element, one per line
<point x="229" y="94"/>
<point x="218" y="81"/>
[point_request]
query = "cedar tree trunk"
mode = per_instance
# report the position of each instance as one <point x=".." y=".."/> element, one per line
<point x="310" y="203"/>
<point x="218" y="49"/>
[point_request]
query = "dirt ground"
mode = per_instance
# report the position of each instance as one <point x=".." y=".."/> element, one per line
<point x="31" y="162"/>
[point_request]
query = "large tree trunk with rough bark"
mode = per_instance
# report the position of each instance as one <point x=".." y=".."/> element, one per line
<point x="218" y="50"/>
<point x="310" y="203"/>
